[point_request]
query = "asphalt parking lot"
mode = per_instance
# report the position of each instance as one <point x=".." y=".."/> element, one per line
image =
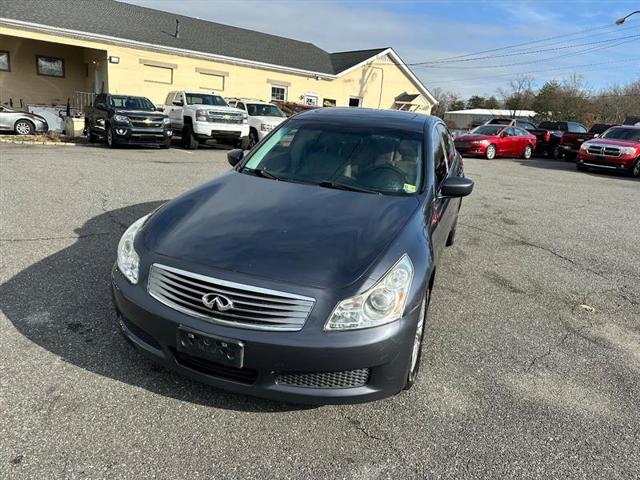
<point x="531" y="367"/>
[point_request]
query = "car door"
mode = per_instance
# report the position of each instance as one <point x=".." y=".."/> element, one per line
<point x="177" y="111"/>
<point x="519" y="141"/>
<point x="441" y="208"/>
<point x="98" y="116"/>
<point x="4" y="119"/>
<point x="511" y="141"/>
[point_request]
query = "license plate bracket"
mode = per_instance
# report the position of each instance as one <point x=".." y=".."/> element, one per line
<point x="222" y="350"/>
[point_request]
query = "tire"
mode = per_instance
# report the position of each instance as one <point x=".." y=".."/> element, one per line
<point x="165" y="145"/>
<point x="253" y="139"/>
<point x="555" y="152"/>
<point x="635" y="170"/>
<point x="490" y="152"/>
<point x="570" y="156"/>
<point x="24" y="127"/>
<point x="189" y="140"/>
<point x="109" y="136"/>
<point x="528" y="152"/>
<point x="416" y="350"/>
<point x="581" y="167"/>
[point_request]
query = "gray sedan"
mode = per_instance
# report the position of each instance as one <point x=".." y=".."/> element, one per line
<point x="21" y="123"/>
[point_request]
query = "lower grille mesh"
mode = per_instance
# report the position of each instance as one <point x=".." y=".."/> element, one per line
<point x="343" y="379"/>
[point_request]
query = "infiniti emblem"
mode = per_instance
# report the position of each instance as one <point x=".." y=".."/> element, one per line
<point x="217" y="301"/>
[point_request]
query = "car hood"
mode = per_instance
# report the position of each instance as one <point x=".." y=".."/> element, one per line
<point x="613" y="142"/>
<point x="269" y="120"/>
<point x="145" y="113"/>
<point x="470" y="137"/>
<point x="289" y="232"/>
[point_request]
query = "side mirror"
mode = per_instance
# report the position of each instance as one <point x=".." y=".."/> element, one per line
<point x="596" y="135"/>
<point x="234" y="156"/>
<point x="178" y="103"/>
<point x="454" y="187"/>
<point x="159" y="109"/>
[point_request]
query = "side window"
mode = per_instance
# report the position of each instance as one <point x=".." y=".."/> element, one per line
<point x="576" y="128"/>
<point x="240" y="105"/>
<point x="440" y="162"/>
<point x="169" y="98"/>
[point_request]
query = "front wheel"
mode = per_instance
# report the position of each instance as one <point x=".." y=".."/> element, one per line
<point x="110" y="141"/>
<point x="253" y="139"/>
<point x="490" y="153"/>
<point x="416" y="349"/>
<point x="189" y="139"/>
<point x="528" y="151"/>
<point x="580" y="167"/>
<point x="635" y="170"/>
<point x="555" y="152"/>
<point x="24" y="127"/>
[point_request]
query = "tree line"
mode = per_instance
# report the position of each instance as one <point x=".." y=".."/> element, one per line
<point x="570" y="99"/>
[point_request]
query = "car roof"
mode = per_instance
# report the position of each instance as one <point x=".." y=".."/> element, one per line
<point x="364" y="116"/>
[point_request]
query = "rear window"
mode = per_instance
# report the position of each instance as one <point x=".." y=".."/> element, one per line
<point x="487" y="129"/>
<point x="552" y="126"/>
<point x="599" y="128"/>
<point x="500" y="121"/>
<point x="620" y="133"/>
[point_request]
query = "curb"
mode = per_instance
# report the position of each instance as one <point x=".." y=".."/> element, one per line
<point x="13" y="142"/>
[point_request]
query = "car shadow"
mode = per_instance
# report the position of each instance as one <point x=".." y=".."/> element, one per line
<point x="63" y="304"/>
<point x="551" y="164"/>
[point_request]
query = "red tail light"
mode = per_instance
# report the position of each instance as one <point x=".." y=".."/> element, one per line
<point x="547" y="136"/>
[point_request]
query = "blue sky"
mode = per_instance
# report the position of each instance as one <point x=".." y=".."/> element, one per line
<point x="424" y="31"/>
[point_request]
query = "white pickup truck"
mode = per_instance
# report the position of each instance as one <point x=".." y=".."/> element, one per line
<point x="199" y="117"/>
<point x="263" y="117"/>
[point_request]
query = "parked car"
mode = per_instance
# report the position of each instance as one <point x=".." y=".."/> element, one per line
<point x="550" y="133"/>
<point x="199" y="117"/>
<point x="126" y="120"/>
<point x="512" y="122"/>
<point x="570" y="141"/>
<point x="263" y="117"/>
<point x="617" y="149"/>
<point x="304" y="273"/>
<point x="491" y="141"/>
<point x="21" y="123"/>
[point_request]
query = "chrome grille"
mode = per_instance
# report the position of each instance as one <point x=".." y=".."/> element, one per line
<point x="253" y="307"/>
<point x="343" y="379"/>
<point x="221" y="117"/>
<point x="604" y="150"/>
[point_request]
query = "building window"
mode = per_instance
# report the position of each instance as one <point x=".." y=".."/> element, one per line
<point x="328" y="102"/>
<point x="5" y="64"/>
<point x="156" y="74"/>
<point x="355" y="101"/>
<point x="50" y="66"/>
<point x="311" y="100"/>
<point x="278" y="93"/>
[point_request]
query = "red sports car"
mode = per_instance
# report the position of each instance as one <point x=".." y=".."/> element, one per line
<point x="491" y="141"/>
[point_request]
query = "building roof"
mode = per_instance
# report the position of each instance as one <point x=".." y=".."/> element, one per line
<point x="131" y="22"/>
<point x="494" y="112"/>
<point x="407" y="97"/>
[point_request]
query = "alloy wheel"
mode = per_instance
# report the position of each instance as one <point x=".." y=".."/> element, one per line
<point x="636" y="169"/>
<point x="417" y="342"/>
<point x="527" y="152"/>
<point x="491" y="152"/>
<point x="23" y="128"/>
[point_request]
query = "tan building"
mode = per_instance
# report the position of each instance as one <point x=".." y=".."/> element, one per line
<point x="54" y="50"/>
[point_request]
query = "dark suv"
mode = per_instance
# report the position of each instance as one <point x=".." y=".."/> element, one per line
<point x="125" y="119"/>
<point x="304" y="273"/>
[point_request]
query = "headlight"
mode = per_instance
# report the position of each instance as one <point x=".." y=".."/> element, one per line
<point x="245" y="118"/>
<point x="265" y="127"/>
<point x="478" y="142"/>
<point x="128" y="260"/>
<point x="584" y="146"/>
<point x="627" y="150"/>
<point x="166" y="120"/>
<point x="383" y="303"/>
<point x="201" y="116"/>
<point x="121" y="118"/>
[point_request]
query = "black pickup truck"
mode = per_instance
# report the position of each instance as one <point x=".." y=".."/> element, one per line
<point x="127" y="120"/>
<point x="570" y="142"/>
<point x="550" y="133"/>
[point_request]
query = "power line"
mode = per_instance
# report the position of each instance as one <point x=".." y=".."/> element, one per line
<point x="531" y="42"/>
<point x="524" y="52"/>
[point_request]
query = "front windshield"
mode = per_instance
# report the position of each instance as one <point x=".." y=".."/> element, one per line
<point x="131" y="103"/>
<point x="205" y="99"/>
<point x="369" y="159"/>
<point x="629" y="134"/>
<point x="263" y="110"/>
<point x="487" y="130"/>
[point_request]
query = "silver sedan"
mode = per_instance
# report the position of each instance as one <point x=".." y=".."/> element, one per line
<point x="21" y="123"/>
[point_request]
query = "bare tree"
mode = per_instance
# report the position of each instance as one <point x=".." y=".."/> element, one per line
<point x="519" y="95"/>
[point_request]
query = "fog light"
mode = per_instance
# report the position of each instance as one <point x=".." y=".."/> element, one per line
<point x="169" y="133"/>
<point x="120" y="131"/>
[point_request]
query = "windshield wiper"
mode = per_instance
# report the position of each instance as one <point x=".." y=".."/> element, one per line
<point x="261" y="172"/>
<point x="351" y="188"/>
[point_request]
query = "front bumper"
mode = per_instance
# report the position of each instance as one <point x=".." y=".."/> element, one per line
<point x="471" y="150"/>
<point x="128" y="135"/>
<point x="621" y="163"/>
<point x="153" y="328"/>
<point x="220" y="131"/>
